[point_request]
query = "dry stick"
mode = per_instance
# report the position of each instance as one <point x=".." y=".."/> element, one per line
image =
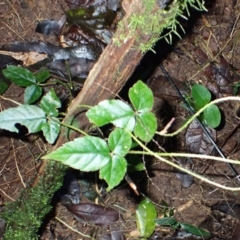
<point x="199" y="122"/>
<point x="15" y="159"/>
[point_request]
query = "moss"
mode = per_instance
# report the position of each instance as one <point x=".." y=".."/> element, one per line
<point x="153" y="21"/>
<point x="24" y="217"/>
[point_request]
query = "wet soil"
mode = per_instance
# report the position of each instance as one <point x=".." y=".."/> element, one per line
<point x="210" y="37"/>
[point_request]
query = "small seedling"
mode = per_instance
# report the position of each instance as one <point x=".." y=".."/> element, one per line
<point x="169" y="221"/>
<point x="25" y="78"/>
<point x="201" y="96"/>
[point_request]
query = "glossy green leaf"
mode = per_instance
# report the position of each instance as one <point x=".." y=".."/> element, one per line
<point x="19" y="75"/>
<point x="86" y="153"/>
<point x="194" y="230"/>
<point x="201" y="95"/>
<point x="42" y="76"/>
<point x="212" y="115"/>
<point x="30" y="116"/>
<point x="114" y="171"/>
<point x="167" y="221"/>
<point x="119" y="142"/>
<point x="32" y="93"/>
<point x="141" y="97"/>
<point x="145" y="216"/>
<point x="112" y="111"/>
<point x="51" y="130"/>
<point x="50" y="103"/>
<point x="146" y="126"/>
<point x="4" y="85"/>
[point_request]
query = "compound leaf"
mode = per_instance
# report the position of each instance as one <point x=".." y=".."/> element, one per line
<point x="212" y="115"/>
<point x="113" y="172"/>
<point x="51" y="130"/>
<point x="30" y="116"/>
<point x="119" y="142"/>
<point x="20" y="76"/>
<point x="50" y="103"/>
<point x="141" y="97"/>
<point x="86" y="153"/>
<point x="112" y="111"/>
<point x="146" y="215"/>
<point x="146" y="126"/>
<point x="32" y="93"/>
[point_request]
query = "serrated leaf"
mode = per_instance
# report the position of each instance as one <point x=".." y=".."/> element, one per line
<point x="141" y="97"/>
<point x="32" y="117"/>
<point x="51" y="130"/>
<point x="119" y="142"/>
<point x="42" y="76"/>
<point x="86" y="153"/>
<point x="20" y="76"/>
<point x="195" y="230"/>
<point x="50" y="103"/>
<point x="32" y="93"/>
<point x="114" y="171"/>
<point x="201" y="95"/>
<point x="112" y="111"/>
<point x="145" y="216"/>
<point x="166" y="221"/>
<point x="146" y="126"/>
<point x="212" y="115"/>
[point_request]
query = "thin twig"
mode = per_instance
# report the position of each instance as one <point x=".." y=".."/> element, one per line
<point x="7" y="195"/>
<point x="74" y="230"/>
<point x="15" y="159"/>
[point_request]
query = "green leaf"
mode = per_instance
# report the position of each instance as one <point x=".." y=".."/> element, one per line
<point x="146" y="126"/>
<point x="119" y="142"/>
<point x="145" y="216"/>
<point x="201" y="95"/>
<point x="86" y="153"/>
<point x="195" y="230"/>
<point x="135" y="163"/>
<point x="51" y="130"/>
<point x="141" y="96"/>
<point x="20" y="76"/>
<point x="30" y="116"/>
<point x="212" y="115"/>
<point x="32" y="93"/>
<point x="4" y="85"/>
<point x="50" y="103"/>
<point x="166" y="221"/>
<point x="114" y="171"/>
<point x="42" y="76"/>
<point x="112" y="111"/>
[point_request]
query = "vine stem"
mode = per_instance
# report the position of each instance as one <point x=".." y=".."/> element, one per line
<point x="187" y="155"/>
<point x="224" y="99"/>
<point x="156" y="155"/>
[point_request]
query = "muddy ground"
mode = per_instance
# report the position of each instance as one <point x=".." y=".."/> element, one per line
<point x="211" y="42"/>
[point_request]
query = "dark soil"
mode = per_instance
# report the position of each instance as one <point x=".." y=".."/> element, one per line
<point x="210" y="37"/>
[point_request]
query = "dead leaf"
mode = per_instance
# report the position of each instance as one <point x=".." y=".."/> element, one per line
<point x="93" y="213"/>
<point x="28" y="58"/>
<point x="112" y="236"/>
<point x="197" y="141"/>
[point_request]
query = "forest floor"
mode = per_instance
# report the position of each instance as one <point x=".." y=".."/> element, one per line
<point x="211" y="45"/>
